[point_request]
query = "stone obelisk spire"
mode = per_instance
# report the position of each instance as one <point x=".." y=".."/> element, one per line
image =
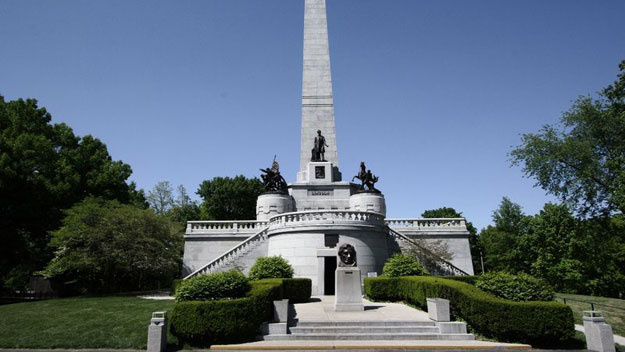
<point x="317" y="102"/>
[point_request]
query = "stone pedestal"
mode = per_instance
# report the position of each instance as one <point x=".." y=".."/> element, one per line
<point x="599" y="336"/>
<point x="271" y="204"/>
<point x="348" y="296"/>
<point x="368" y="201"/>
<point x="438" y="309"/>
<point x="157" y="332"/>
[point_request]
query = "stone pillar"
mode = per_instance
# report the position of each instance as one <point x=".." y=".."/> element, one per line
<point x="157" y="332"/>
<point x="348" y="297"/>
<point x="599" y="336"/>
<point x="368" y="201"/>
<point x="317" y="100"/>
<point x="438" y="309"/>
<point x="271" y="204"/>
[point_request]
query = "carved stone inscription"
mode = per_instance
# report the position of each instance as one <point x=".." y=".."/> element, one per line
<point x="321" y="192"/>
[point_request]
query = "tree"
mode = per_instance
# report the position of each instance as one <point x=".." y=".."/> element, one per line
<point x="226" y="198"/>
<point x="106" y="246"/>
<point x="44" y="169"/>
<point x="161" y="197"/>
<point x="184" y="208"/>
<point x="448" y="212"/>
<point x="582" y="161"/>
<point x="500" y="243"/>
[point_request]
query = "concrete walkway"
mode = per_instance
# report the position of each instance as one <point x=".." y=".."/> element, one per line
<point x="320" y="309"/>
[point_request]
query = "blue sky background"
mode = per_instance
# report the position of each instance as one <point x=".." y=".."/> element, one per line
<point x="431" y="94"/>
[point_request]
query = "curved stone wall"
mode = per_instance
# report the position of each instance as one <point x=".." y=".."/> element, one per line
<point x="368" y="201"/>
<point x="271" y="204"/>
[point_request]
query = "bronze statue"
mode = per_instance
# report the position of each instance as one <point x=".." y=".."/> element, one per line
<point x="318" y="152"/>
<point x="273" y="181"/>
<point x="347" y="254"/>
<point x="366" y="179"/>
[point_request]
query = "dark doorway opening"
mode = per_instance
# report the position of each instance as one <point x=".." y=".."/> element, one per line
<point x="330" y="268"/>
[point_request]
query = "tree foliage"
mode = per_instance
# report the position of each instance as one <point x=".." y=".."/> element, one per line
<point x="582" y="161"/>
<point x="585" y="256"/>
<point x="44" y="169"/>
<point x="106" y="246"/>
<point x="274" y="267"/>
<point x="161" y="197"/>
<point x="226" y="198"/>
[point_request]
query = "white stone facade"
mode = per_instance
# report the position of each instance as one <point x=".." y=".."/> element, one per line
<point x="321" y="211"/>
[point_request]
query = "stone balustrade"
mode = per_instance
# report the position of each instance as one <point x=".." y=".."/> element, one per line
<point x="329" y="216"/>
<point x="200" y="227"/>
<point x="430" y="224"/>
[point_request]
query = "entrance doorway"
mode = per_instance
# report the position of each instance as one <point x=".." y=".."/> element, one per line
<point x="328" y="278"/>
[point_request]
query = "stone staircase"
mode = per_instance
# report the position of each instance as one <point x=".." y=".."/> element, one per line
<point x="246" y="259"/>
<point x="367" y="330"/>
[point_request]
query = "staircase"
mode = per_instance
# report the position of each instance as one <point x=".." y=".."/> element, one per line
<point x="367" y="330"/>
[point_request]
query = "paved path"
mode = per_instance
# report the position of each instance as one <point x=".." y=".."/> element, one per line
<point x="322" y="309"/>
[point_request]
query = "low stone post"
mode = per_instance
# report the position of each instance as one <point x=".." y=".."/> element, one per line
<point x="157" y="332"/>
<point x="438" y="309"/>
<point x="599" y="336"/>
<point x="280" y="317"/>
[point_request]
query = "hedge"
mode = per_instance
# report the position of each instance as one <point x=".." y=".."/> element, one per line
<point x="537" y="323"/>
<point x="467" y="278"/>
<point x="204" y="323"/>
<point x="297" y="290"/>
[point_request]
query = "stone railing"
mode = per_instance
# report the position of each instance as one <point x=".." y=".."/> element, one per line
<point x="434" y="263"/>
<point x="431" y="224"/>
<point x="330" y="216"/>
<point x="249" y="226"/>
<point x="232" y="254"/>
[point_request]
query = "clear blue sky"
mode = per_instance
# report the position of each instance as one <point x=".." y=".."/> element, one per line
<point x="431" y="94"/>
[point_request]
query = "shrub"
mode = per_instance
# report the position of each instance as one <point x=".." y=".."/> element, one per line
<point x="466" y="278"/>
<point x="271" y="267"/>
<point x="203" y="323"/>
<point x="403" y="265"/>
<point x="224" y="285"/>
<point x="540" y="323"/>
<point x="521" y="287"/>
<point x="297" y="290"/>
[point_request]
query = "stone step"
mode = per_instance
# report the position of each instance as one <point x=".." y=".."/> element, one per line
<point x="369" y="336"/>
<point x="364" y="329"/>
<point x="352" y="323"/>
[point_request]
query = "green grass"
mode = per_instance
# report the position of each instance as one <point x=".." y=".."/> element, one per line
<point x="104" y="322"/>
<point x="609" y="306"/>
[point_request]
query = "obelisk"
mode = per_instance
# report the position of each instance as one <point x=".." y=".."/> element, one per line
<point x="317" y="101"/>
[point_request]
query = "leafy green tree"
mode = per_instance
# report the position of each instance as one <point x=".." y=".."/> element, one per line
<point x="448" y="212"/>
<point x="44" y="169"/>
<point x="226" y="198"/>
<point x="106" y="246"/>
<point x="403" y="265"/>
<point x="161" y="197"/>
<point x="500" y="243"/>
<point x="582" y="161"/>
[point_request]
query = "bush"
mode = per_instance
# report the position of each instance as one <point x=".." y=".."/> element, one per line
<point x="521" y="287"/>
<point x="271" y="267"/>
<point x="224" y="285"/>
<point x="297" y="290"/>
<point x="403" y="265"/>
<point x="469" y="279"/>
<point x="540" y="323"/>
<point x="203" y="323"/>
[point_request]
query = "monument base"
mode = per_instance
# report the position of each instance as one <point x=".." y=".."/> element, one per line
<point x="348" y="290"/>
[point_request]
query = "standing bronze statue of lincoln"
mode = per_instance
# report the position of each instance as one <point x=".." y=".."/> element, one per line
<point x="318" y="152"/>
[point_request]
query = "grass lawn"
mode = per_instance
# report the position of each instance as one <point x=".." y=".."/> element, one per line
<point x="103" y="322"/>
<point x="613" y="309"/>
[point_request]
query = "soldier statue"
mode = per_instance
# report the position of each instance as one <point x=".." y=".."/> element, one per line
<point x="318" y="152"/>
<point x="273" y="181"/>
<point x="366" y="179"/>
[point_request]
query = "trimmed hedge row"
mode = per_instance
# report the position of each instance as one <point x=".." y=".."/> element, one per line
<point x="539" y="323"/>
<point x="204" y="323"/>
<point x="468" y="279"/>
